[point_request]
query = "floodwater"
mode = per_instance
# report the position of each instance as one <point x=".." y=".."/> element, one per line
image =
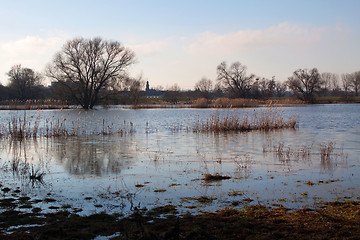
<point x="152" y="157"/>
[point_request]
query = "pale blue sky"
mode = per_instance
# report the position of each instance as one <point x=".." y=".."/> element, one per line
<point x="183" y="41"/>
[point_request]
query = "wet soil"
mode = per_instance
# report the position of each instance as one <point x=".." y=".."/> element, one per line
<point x="334" y="220"/>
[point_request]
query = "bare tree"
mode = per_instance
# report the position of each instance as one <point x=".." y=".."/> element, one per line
<point x="23" y="81"/>
<point x="305" y="83"/>
<point x="355" y="82"/>
<point x="88" y="66"/>
<point x="134" y="86"/>
<point x="234" y="79"/>
<point x="330" y="83"/>
<point x="266" y="87"/>
<point x="280" y="89"/>
<point x="346" y="80"/>
<point x="204" y="85"/>
<point x="335" y="84"/>
<point x="173" y="94"/>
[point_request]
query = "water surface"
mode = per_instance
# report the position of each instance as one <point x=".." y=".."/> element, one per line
<point x="154" y="158"/>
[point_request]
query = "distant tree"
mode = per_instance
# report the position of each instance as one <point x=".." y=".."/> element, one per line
<point x="23" y="81"/>
<point x="329" y="83"/>
<point x="326" y="79"/>
<point x="204" y="86"/>
<point x="173" y="94"/>
<point x="271" y="87"/>
<point x="4" y="92"/>
<point x="88" y="67"/>
<point x="257" y="88"/>
<point x="134" y="86"/>
<point x="355" y="82"/>
<point x="264" y="88"/>
<point x="280" y="89"/>
<point x="234" y="79"/>
<point x="346" y="80"/>
<point x="305" y="84"/>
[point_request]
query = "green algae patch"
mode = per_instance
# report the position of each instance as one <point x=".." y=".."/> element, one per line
<point x="167" y="209"/>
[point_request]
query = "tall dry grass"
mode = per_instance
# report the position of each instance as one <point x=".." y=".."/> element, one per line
<point x="231" y="120"/>
<point x="20" y="128"/>
<point x="201" y="103"/>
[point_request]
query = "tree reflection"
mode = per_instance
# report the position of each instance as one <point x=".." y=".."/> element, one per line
<point x="94" y="156"/>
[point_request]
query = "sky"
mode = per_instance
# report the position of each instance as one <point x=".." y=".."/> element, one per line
<point x="181" y="41"/>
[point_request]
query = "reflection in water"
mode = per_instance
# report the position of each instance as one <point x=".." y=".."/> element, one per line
<point x="78" y="156"/>
<point x="94" y="156"/>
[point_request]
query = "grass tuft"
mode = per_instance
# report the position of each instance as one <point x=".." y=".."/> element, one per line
<point x="215" y="177"/>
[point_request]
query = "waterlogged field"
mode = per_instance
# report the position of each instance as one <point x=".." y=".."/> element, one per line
<point x="118" y="160"/>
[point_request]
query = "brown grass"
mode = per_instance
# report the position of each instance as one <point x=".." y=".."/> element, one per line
<point x="230" y="120"/>
<point x="236" y="103"/>
<point x="32" y="104"/>
<point x="201" y="103"/>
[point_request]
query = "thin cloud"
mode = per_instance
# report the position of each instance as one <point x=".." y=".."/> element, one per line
<point x="31" y="46"/>
<point x="283" y="34"/>
<point x="150" y="48"/>
<point x="30" y="51"/>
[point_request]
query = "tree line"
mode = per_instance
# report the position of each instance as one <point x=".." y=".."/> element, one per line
<point x="95" y="71"/>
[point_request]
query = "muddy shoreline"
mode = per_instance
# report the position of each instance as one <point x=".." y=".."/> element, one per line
<point x="334" y="220"/>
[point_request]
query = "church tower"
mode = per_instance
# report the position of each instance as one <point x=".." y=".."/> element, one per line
<point x="147" y="86"/>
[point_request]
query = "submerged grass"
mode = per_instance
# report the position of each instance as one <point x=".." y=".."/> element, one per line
<point x="25" y="127"/>
<point x="327" y="151"/>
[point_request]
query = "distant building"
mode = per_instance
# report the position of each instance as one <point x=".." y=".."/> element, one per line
<point x="152" y="93"/>
<point x="147" y="87"/>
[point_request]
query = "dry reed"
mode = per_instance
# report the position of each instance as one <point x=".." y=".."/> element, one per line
<point x="201" y="103"/>
<point x="236" y="103"/>
<point x="24" y="127"/>
<point x="230" y="120"/>
<point x="326" y="151"/>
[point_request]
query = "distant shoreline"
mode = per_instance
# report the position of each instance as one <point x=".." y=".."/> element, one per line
<point x="197" y="103"/>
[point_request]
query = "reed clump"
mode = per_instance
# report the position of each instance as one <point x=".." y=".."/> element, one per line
<point x="231" y="120"/>
<point x="201" y="103"/>
<point x="20" y="128"/>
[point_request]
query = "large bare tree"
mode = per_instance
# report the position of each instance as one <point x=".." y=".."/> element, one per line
<point x="86" y="67"/>
<point x="305" y="83"/>
<point x="22" y="81"/>
<point x="235" y="79"/>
